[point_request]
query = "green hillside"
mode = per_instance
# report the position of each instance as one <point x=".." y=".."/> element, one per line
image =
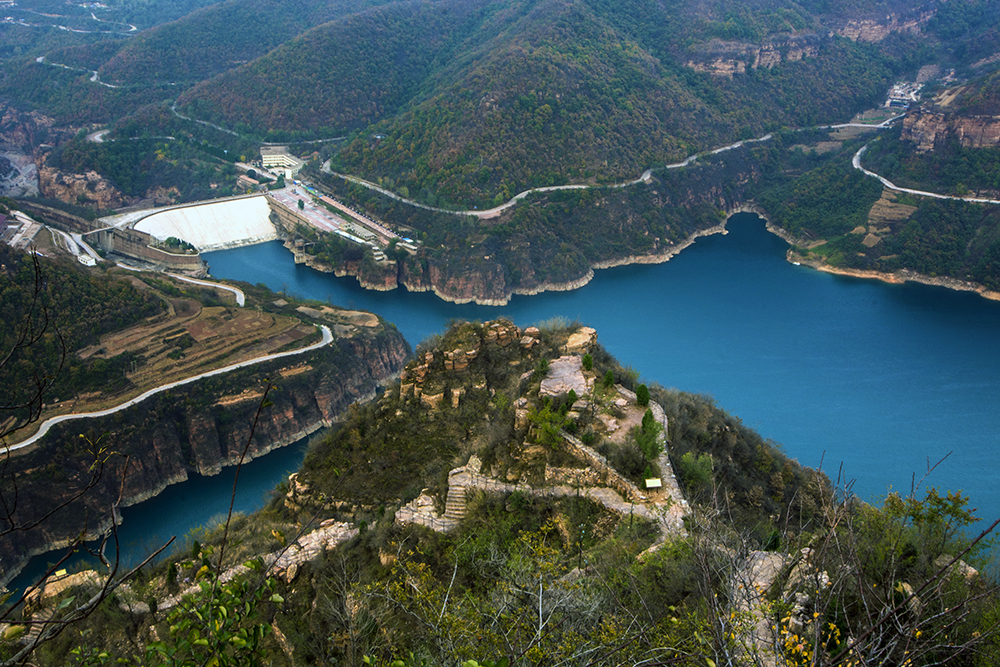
<point x="478" y="102"/>
<point x="217" y="38"/>
<point x="342" y="75"/>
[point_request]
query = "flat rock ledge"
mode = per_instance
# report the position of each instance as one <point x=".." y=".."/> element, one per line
<point x="565" y="373"/>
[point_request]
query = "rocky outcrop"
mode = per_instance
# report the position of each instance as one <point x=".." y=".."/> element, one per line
<point x="88" y="189"/>
<point x="18" y="175"/>
<point x="24" y="139"/>
<point x="928" y="128"/>
<point x="485" y="285"/>
<point x="875" y="30"/>
<point x="24" y="131"/>
<point x="726" y="58"/>
<point x="197" y="429"/>
<point x="565" y="375"/>
<point x="378" y="276"/>
<point x="381" y="276"/>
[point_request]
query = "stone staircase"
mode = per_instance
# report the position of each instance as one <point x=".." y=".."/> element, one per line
<point x="666" y="506"/>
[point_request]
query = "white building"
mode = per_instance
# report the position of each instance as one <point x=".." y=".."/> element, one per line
<point x="278" y="156"/>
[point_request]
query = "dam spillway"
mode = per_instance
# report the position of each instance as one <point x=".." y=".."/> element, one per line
<point x="215" y="225"/>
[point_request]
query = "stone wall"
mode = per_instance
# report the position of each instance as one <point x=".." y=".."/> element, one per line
<point x="608" y="476"/>
<point x="137" y="245"/>
<point x="57" y="217"/>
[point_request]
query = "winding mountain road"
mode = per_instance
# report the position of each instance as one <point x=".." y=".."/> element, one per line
<point x="129" y="27"/>
<point x="645" y="177"/>
<point x="486" y="214"/>
<point x="856" y="162"/>
<point x="49" y="423"/>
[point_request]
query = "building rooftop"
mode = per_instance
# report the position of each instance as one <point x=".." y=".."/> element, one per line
<point x="274" y="150"/>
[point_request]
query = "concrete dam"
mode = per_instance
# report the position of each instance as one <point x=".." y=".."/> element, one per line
<point x="214" y="225"/>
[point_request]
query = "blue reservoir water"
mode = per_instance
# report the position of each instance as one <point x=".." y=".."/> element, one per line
<point x="199" y="503"/>
<point x="873" y="379"/>
<point x="880" y="379"/>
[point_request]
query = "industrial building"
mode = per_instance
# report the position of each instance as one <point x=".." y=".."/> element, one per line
<point x="278" y="157"/>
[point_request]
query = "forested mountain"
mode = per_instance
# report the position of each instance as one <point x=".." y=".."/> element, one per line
<point x="542" y="92"/>
<point x="464" y="103"/>
<point x="341" y="75"/>
<point x="949" y="146"/>
<point x="475" y="100"/>
<point x="217" y="38"/>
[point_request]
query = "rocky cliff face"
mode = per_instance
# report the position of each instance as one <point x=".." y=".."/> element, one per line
<point x="725" y="58"/>
<point x="89" y="189"/>
<point x="24" y="137"/>
<point x="927" y="128"/>
<point x="378" y="276"/>
<point x="24" y="131"/>
<point x="485" y="284"/>
<point x="213" y="436"/>
<point x="200" y="429"/>
<point x="875" y="30"/>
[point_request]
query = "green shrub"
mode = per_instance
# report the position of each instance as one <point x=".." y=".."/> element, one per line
<point x="646" y="436"/>
<point x="630" y="462"/>
<point x="642" y="395"/>
<point x="696" y="471"/>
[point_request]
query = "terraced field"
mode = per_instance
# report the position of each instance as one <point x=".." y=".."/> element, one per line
<point x="189" y="338"/>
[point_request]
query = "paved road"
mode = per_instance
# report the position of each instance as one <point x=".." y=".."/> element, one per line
<point x="129" y="26"/>
<point x="86" y="246"/>
<point x="856" y="161"/>
<point x="645" y="177"/>
<point x="241" y="298"/>
<point x="49" y="423"/>
<point x="173" y="110"/>
<point x="68" y="241"/>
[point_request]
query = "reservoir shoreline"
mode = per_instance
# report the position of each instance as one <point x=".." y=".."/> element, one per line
<point x="897" y="278"/>
<point x="791" y="256"/>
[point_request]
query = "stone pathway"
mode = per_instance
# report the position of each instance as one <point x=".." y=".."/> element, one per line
<point x="284" y="563"/>
<point x="665" y="506"/>
<point x="759" y="640"/>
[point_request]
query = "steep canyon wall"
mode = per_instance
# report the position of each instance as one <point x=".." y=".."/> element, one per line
<point x="198" y="429"/>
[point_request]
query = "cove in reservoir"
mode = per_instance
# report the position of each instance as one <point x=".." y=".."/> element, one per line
<point x="855" y="375"/>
